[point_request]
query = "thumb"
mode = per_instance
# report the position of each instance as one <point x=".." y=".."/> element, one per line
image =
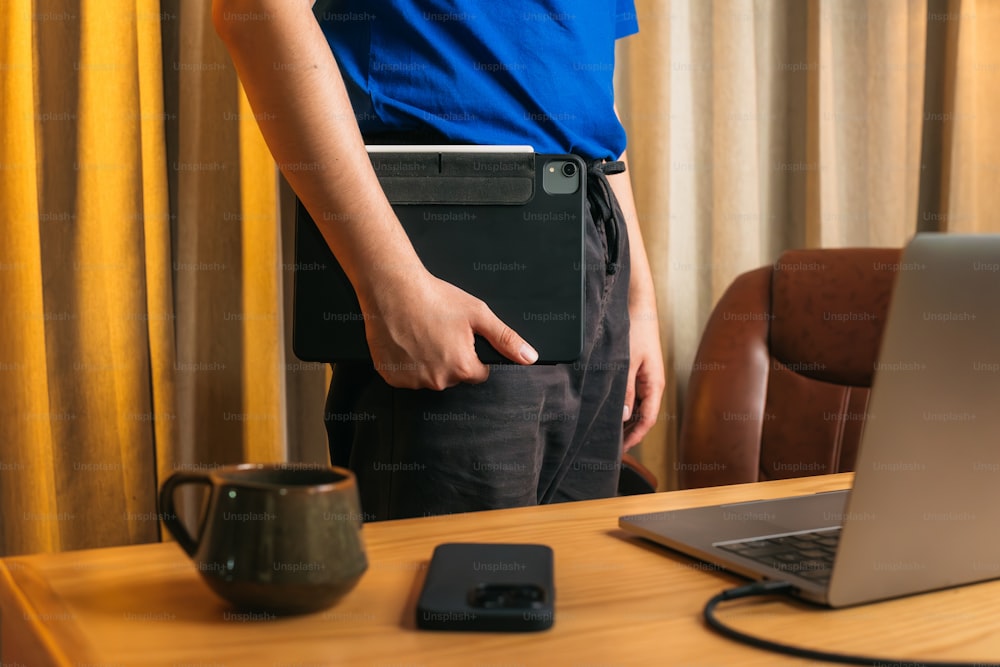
<point x="504" y="340"/>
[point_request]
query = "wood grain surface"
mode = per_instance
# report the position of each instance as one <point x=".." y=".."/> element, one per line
<point x="619" y="601"/>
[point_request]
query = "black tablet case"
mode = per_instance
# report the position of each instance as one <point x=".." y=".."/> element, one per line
<point x="480" y="220"/>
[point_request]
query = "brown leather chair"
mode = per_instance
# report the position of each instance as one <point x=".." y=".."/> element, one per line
<point x="635" y="478"/>
<point x="780" y="383"/>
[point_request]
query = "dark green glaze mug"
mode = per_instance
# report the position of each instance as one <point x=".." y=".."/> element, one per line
<point x="274" y="537"/>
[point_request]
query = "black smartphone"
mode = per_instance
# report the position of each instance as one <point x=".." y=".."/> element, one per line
<point x="488" y="587"/>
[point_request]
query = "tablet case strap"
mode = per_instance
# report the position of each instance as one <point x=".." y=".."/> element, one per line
<point x="451" y="178"/>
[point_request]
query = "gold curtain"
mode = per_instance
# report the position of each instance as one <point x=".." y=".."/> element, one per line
<point x="86" y="293"/>
<point x="757" y="126"/>
<point x="145" y="272"/>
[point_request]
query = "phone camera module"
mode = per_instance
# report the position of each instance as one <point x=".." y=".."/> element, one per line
<point x="506" y="596"/>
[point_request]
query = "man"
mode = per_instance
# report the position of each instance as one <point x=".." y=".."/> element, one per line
<point x="445" y="434"/>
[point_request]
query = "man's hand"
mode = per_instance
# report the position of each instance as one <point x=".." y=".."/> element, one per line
<point x="421" y="333"/>
<point x="645" y="374"/>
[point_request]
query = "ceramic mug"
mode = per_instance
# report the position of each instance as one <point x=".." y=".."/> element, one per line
<point x="281" y="538"/>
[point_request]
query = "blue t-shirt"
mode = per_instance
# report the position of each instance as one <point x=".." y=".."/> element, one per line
<point x="535" y="72"/>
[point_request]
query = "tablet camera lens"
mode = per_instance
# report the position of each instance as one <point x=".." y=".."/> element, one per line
<point x="569" y="169"/>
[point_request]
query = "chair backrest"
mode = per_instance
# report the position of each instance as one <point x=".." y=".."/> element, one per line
<point x="780" y="382"/>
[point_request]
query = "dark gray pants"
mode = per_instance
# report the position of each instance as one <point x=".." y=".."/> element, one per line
<point x="528" y="435"/>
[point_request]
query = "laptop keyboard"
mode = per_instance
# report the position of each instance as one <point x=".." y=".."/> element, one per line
<point x="808" y="555"/>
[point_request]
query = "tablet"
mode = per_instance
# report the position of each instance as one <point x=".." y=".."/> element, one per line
<point x="501" y="222"/>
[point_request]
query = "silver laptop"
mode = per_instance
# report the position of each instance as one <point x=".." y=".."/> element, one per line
<point x="924" y="511"/>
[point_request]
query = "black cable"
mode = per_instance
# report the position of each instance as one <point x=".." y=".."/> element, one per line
<point x="774" y="587"/>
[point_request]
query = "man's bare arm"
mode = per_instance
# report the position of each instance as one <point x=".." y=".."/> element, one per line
<point x="646" y="378"/>
<point x="420" y="329"/>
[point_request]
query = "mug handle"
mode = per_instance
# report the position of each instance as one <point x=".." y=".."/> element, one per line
<point x="169" y="515"/>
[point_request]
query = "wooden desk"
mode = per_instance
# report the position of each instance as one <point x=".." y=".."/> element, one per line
<point x="619" y="601"/>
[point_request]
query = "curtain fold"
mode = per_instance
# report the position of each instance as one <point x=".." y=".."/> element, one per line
<point x="227" y="273"/>
<point x="264" y="359"/>
<point x="870" y="116"/>
<point x="972" y="146"/>
<point x="25" y="414"/>
<point x="80" y="428"/>
<point x="159" y="315"/>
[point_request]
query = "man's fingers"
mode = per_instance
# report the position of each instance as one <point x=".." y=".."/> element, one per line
<point x="504" y="340"/>
<point x="629" y="399"/>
